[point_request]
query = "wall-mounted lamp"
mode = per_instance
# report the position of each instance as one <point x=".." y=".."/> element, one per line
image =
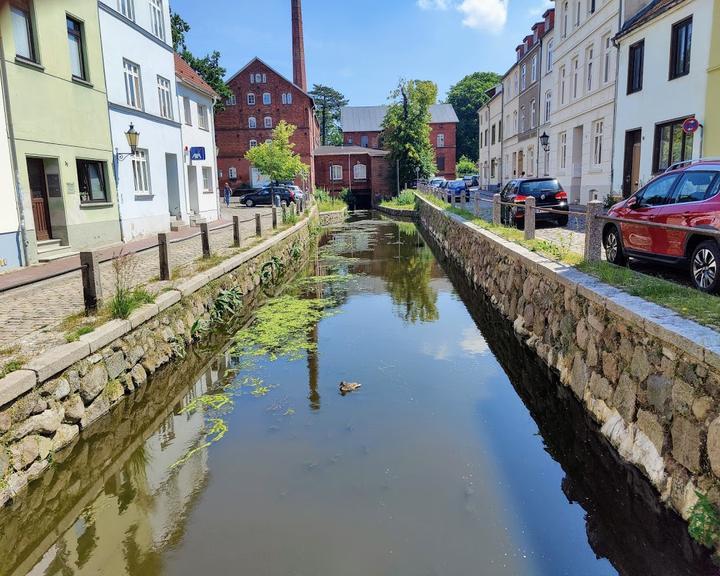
<point x="545" y="142"/>
<point x="133" y="137"/>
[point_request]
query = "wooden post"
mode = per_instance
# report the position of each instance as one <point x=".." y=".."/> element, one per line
<point x="274" y="218"/>
<point x="92" y="288"/>
<point x="593" y="231"/>
<point x="530" y="218"/>
<point x="496" y="210"/>
<point x="205" y="236"/>
<point x="164" y="251"/>
<point x="284" y="214"/>
<point x="236" y="232"/>
<point x="293" y="210"/>
<point x="258" y="225"/>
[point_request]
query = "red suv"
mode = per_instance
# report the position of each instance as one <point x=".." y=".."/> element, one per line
<point x="685" y="195"/>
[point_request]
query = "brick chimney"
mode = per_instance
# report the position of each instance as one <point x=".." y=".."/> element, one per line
<point x="299" y="76"/>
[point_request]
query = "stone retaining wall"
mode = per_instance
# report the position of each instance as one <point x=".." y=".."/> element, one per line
<point x="332" y="218"/>
<point x="650" y="378"/>
<point x="397" y="213"/>
<point x="44" y="407"/>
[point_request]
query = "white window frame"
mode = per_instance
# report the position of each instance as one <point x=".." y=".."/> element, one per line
<point x="533" y="114"/>
<point x="141" y="173"/>
<point x="336" y="172"/>
<point x="289" y="98"/>
<point x="232" y="173"/>
<point x="533" y="68"/>
<point x="252" y="122"/>
<point x="563" y="83"/>
<point x="258" y="78"/>
<point x="549" y="63"/>
<point x="157" y="18"/>
<point x="284" y="98"/>
<point x="187" y="109"/>
<point x="562" y="150"/>
<point x="251" y="99"/>
<point x="231" y="100"/>
<point x="267" y="98"/>
<point x="598" y="127"/>
<point x="360" y="172"/>
<point x="203" y="117"/>
<point x="207" y="178"/>
<point x="607" y="43"/>
<point x="566" y="11"/>
<point x="267" y="122"/>
<point x="590" y="57"/>
<point x="252" y="78"/>
<point x="253" y="143"/>
<point x="127" y="9"/>
<point x="523" y="77"/>
<point x="548" y="105"/>
<point x="165" y="97"/>
<point x="441" y="140"/>
<point x="133" y="80"/>
<point x="23" y="22"/>
<point x="576" y="77"/>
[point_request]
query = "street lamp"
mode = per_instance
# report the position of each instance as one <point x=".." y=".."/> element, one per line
<point x="545" y="141"/>
<point x="133" y="137"/>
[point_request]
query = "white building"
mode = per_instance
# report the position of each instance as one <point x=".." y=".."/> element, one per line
<point x="11" y="248"/>
<point x="491" y="128"/>
<point x="583" y="96"/>
<point x="196" y="99"/>
<point x="545" y="92"/>
<point x="510" y="94"/>
<point x="662" y="81"/>
<point x="140" y="75"/>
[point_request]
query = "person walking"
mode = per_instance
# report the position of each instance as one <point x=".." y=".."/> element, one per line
<point x="228" y="193"/>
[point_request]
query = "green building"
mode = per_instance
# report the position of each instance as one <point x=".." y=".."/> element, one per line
<point x="59" y="125"/>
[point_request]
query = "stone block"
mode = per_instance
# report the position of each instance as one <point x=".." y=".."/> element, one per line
<point x="25" y="452"/>
<point x="600" y="387"/>
<point x="640" y="365"/>
<point x="16" y="384"/>
<point x="143" y="314"/>
<point x="58" y="359"/>
<point x="139" y="376"/>
<point x="683" y="397"/>
<point x="701" y="407"/>
<point x="105" y="334"/>
<point x="74" y="409"/>
<point x="56" y="389"/>
<point x="610" y="367"/>
<point x="65" y="434"/>
<point x="193" y="284"/>
<point x="166" y="299"/>
<point x="652" y="428"/>
<point x="579" y="376"/>
<point x="686" y="443"/>
<point x="99" y="407"/>
<point x="115" y="365"/>
<point x="713" y="446"/>
<point x="625" y="398"/>
<point x="46" y="422"/>
<point x="680" y="333"/>
<point x="659" y="394"/>
<point x="215" y="272"/>
<point x="93" y="383"/>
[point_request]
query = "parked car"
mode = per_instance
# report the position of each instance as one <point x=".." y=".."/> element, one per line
<point x="456" y="188"/>
<point x="435" y="182"/>
<point x="685" y="195"/>
<point x="471" y="180"/>
<point x="263" y="197"/>
<point x="547" y="192"/>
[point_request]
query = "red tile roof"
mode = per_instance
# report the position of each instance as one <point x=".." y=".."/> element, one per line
<point x="187" y="75"/>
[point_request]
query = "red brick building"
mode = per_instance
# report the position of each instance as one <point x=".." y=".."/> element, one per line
<point x="366" y="172"/>
<point x="362" y="126"/>
<point x="262" y="97"/>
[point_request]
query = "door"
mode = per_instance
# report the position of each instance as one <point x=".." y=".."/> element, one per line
<point x="173" y="186"/>
<point x="193" y="188"/>
<point x="631" y="168"/>
<point x="577" y="165"/>
<point x="38" y="192"/>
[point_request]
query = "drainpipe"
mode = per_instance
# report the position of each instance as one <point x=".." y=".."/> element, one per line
<point x="502" y="140"/>
<point x="539" y="108"/>
<point x="615" y="101"/>
<point x="13" y="158"/>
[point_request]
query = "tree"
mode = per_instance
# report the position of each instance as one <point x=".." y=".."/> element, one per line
<point x="466" y="166"/>
<point x="466" y="97"/>
<point x="406" y="129"/>
<point x="328" y="103"/>
<point x="276" y="159"/>
<point x="208" y="67"/>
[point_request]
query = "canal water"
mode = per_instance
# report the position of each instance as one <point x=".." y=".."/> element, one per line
<point x="460" y="453"/>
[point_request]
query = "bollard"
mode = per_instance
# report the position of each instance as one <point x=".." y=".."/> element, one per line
<point x="92" y="288"/>
<point x="258" y="225"/>
<point x="462" y="200"/>
<point x="205" y="237"/>
<point x="477" y="203"/>
<point x="236" y="232"/>
<point x="593" y="231"/>
<point x="530" y="218"/>
<point x="274" y="217"/>
<point x="496" y="210"/>
<point x="293" y="210"/>
<point x="164" y="251"/>
<point x="284" y="214"/>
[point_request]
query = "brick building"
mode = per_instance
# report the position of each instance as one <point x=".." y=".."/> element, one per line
<point x="262" y="97"/>
<point x="366" y="172"/>
<point x="362" y="126"/>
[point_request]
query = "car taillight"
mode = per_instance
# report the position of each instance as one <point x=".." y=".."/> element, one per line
<point x="292" y="195"/>
<point x="520" y="198"/>
<point x="561" y="195"/>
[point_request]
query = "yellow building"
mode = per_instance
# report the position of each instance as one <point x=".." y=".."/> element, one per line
<point x="711" y="135"/>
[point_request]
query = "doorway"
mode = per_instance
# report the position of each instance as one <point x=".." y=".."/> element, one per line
<point x="520" y="164"/>
<point x="193" y="188"/>
<point x="577" y="164"/>
<point x="39" y="195"/>
<point x="173" y="186"/>
<point x="631" y="168"/>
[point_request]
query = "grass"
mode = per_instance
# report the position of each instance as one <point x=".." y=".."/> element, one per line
<point x="404" y="201"/>
<point x="12" y="366"/>
<point x="123" y="302"/>
<point x="204" y="264"/>
<point x="9" y="350"/>
<point x="328" y="203"/>
<point x="74" y="335"/>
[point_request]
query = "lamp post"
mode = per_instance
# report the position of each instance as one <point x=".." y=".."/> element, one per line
<point x="545" y="143"/>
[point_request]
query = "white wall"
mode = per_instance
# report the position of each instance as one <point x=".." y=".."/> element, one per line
<point x="661" y="99"/>
<point x="142" y="214"/>
<point x="194" y="136"/>
<point x="9" y="223"/>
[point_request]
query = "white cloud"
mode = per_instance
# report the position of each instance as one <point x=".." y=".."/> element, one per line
<point x="433" y="4"/>
<point x="488" y="15"/>
<point x="473" y="342"/>
<point x="540" y="9"/>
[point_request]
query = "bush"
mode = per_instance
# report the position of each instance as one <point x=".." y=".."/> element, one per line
<point x="404" y="201"/>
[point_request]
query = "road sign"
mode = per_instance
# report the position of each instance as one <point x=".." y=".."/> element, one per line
<point x="197" y="153"/>
<point x="690" y="125"/>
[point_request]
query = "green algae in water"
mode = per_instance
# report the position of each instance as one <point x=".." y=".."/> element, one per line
<point x="329" y="279"/>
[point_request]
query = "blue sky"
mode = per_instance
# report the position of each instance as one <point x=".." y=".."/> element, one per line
<point x="362" y="47"/>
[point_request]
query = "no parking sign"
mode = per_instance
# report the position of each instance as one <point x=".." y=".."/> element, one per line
<point x="690" y="125"/>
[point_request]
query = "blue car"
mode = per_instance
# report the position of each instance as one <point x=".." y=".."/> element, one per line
<point x="456" y="188"/>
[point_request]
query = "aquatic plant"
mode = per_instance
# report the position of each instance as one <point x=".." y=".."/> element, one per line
<point x="227" y="305"/>
<point x="271" y="271"/>
<point x="704" y="522"/>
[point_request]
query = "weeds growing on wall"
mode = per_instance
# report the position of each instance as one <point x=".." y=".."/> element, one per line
<point x="705" y="522"/>
<point x="404" y="201"/>
<point x="227" y="305"/>
<point x="125" y="298"/>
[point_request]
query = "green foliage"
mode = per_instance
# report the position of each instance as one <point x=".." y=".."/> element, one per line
<point x="272" y="270"/>
<point x="11" y="366"/>
<point x="704" y="522"/>
<point x="406" y="129"/>
<point x="328" y="103"/>
<point x="404" y="201"/>
<point x="466" y="166"/>
<point x="227" y="305"/>
<point x="466" y="97"/>
<point x="124" y="301"/>
<point x="179" y="29"/>
<point x="74" y="336"/>
<point x="276" y="159"/>
<point x="326" y="202"/>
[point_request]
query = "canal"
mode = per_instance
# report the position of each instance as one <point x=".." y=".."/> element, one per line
<point x="460" y="453"/>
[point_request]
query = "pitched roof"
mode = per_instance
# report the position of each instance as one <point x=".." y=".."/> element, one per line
<point x="646" y="14"/>
<point x="187" y="75"/>
<point x="256" y="59"/>
<point x="343" y="150"/>
<point x="370" y="118"/>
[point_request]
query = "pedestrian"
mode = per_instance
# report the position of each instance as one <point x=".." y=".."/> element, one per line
<point x="228" y="192"/>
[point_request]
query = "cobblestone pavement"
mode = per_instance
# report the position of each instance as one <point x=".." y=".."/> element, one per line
<point x="31" y="314"/>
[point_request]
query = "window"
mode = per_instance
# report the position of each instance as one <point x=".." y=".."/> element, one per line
<point x="440" y="163"/>
<point x="166" y="110"/>
<point x="576" y="74"/>
<point x="207" y="179"/>
<point x="23" y="30"/>
<point x="203" y="117"/>
<point x="252" y="122"/>
<point x="589" y="54"/>
<point x="523" y="76"/>
<point x="696" y="186"/>
<point x="591" y="6"/>
<point x="516" y="82"/>
<point x="157" y="19"/>
<point x="500" y="125"/>
<point x="264" y="78"/>
<point x="267" y="98"/>
<point x="515" y="123"/>
<point x="562" y="85"/>
<point x="77" y="48"/>
<point x="268" y="122"/>
<point x="232" y="173"/>
<point x="133" y="87"/>
<point x="577" y="14"/>
<point x="91" y="181"/>
<point x="251" y="99"/>
<point x="364" y="141"/>
<point x="140" y="172"/>
<point x="607" y="42"/>
<point x="360" y="172"/>
<point x="187" y="111"/>
<point x="231" y="101"/>
<point x="532" y="114"/>
<point x="252" y="78"/>
<point x="127" y="8"/>
<point x="566" y="10"/>
<point x="680" y="48"/>
<point x="522" y="119"/>
<point x="493" y="163"/>
<point x="533" y="69"/>
<point x="336" y="172"/>
<point x="657" y="192"/>
<point x="481" y="139"/>
<point x="531" y="162"/>
<point x="492" y="135"/>
<point x="636" y="56"/>
<point x="548" y="105"/>
<point x="258" y="78"/>
<point x="486" y="136"/>
<point x="441" y="140"/>
<point x="671" y="145"/>
<point x="598" y="143"/>
<point x="563" y="150"/>
<point x="289" y="98"/>
<point x="253" y="143"/>
<point x="549" y="62"/>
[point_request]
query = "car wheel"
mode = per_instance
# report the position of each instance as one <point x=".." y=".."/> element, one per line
<point x="562" y="220"/>
<point x="249" y="203"/>
<point x="704" y="266"/>
<point x="613" y="247"/>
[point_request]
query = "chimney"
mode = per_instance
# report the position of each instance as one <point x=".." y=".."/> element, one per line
<point x="299" y="76"/>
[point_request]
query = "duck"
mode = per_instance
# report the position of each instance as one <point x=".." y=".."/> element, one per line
<point x="346" y="387"/>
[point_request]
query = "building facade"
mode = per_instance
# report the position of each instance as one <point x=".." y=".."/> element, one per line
<point x="712" y="111"/>
<point x="57" y="107"/>
<point x="545" y="91"/>
<point x="511" y="110"/>
<point x="365" y="172"/>
<point x="11" y="240"/>
<point x="491" y="136"/>
<point x="140" y="69"/>
<point x="362" y="126"/>
<point x="197" y="100"/>
<point x="662" y="82"/>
